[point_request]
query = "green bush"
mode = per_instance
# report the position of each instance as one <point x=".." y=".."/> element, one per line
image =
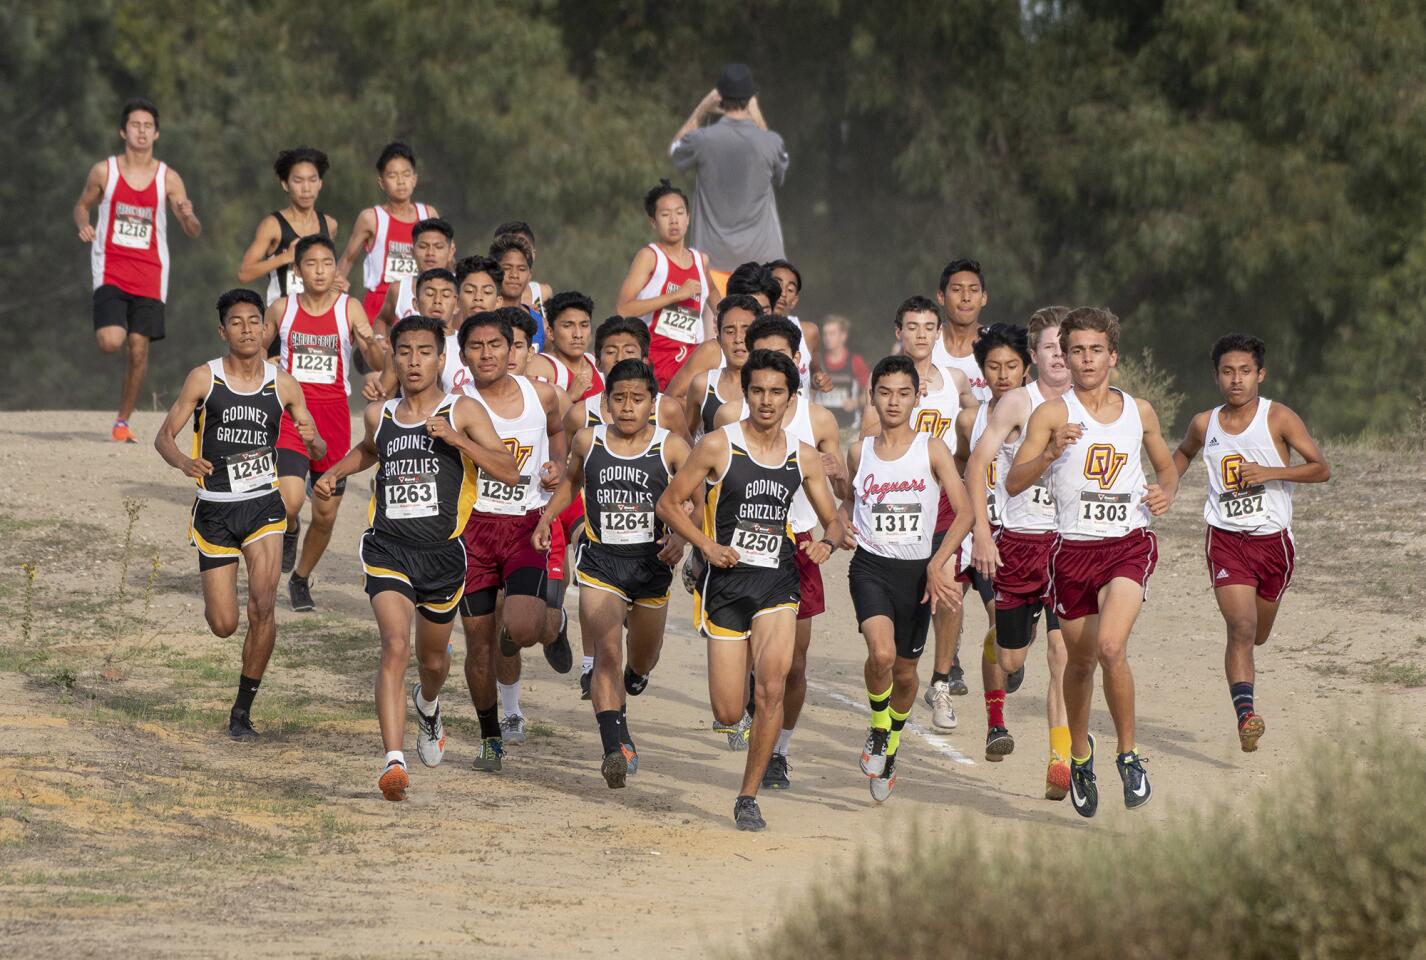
<point x="1334" y="866"/>
<point x="1141" y="377"/>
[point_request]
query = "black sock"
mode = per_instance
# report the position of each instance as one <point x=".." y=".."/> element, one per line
<point x="608" y="721"/>
<point x="940" y="677"/>
<point x="489" y="721"/>
<point x="1242" y="699"/>
<point x="752" y="707"/>
<point x="634" y="683"/>
<point x="296" y="577"/>
<point x="624" y="735"/>
<point x="247" y="689"/>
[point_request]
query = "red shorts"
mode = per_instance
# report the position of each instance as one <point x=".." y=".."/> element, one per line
<point x="668" y="357"/>
<point x="496" y="546"/>
<point x="334" y="424"/>
<point x="809" y="574"/>
<point x="960" y="560"/>
<point x="1265" y="561"/>
<point x="1079" y="569"/>
<point x="945" y="516"/>
<point x="372" y="302"/>
<point x="561" y="533"/>
<point x="1024" y="573"/>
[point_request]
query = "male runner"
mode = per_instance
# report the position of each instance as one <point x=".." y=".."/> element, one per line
<point x="516" y="256"/>
<point x="625" y="565"/>
<point x="315" y="330"/>
<point x="236" y="403"/>
<point x="847" y="372"/>
<point x="815" y="427"/>
<point x="710" y="389"/>
<point x="433" y="246"/>
<point x="1247" y="445"/>
<point x="944" y="393"/>
<point x="1017" y="557"/>
<point x="1091" y="439"/>
<point x="478" y="282"/>
<point x="1002" y="351"/>
<point x="436" y="298"/>
<point x="536" y="293"/>
<point x="274" y="247"/>
<point x="962" y="294"/>
<point x="750" y="279"/>
<point x="746" y="604"/>
<point x="895" y="580"/>
<point x="563" y="360"/>
<point x="382" y="235"/>
<point x="667" y="284"/>
<point x="129" y="248"/>
<point x="431" y="448"/>
<point x="789" y="278"/>
<point x="526" y="416"/>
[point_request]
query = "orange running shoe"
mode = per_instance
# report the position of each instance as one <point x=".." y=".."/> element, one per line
<point x="122" y="433"/>
<point x="394" y="781"/>
<point x="1250" y="731"/>
<point x="1057" y="778"/>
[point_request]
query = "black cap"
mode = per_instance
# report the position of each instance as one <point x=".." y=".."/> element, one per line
<point x="737" y="82"/>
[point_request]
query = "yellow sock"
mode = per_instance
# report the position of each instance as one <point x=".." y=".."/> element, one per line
<point x="1060" y="742"/>
<point x="880" y="707"/>
<point x="989" y="652"/>
<point x="898" y="720"/>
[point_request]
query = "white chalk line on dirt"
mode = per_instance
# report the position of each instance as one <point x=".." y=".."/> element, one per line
<point x="939" y="744"/>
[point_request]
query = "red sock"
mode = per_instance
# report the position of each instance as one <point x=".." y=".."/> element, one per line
<point x="995" y="707"/>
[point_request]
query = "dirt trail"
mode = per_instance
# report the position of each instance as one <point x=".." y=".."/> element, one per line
<point x="125" y="818"/>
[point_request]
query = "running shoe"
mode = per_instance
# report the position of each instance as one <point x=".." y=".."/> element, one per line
<point x="999" y="744"/>
<point x="491" y="752"/>
<point x="289" y="547"/>
<point x="1057" y="778"/>
<point x="747" y="815"/>
<point x="631" y="756"/>
<point x="615" y="769"/>
<point x="512" y="729"/>
<point x="1084" y="794"/>
<point x="693" y="569"/>
<point x="507" y="645"/>
<point x="299" y="591"/>
<point x="1250" y="731"/>
<point x="737" y="735"/>
<point x="121" y="433"/>
<point x="874" y="753"/>
<point x="394" y="781"/>
<point x="775" y="776"/>
<point x="557" y="652"/>
<point x="958" y="679"/>
<point x="1013" y="680"/>
<point x="1137" y="791"/>
<point x="635" y="683"/>
<point x="240" y="727"/>
<point x="881" y="786"/>
<point x="585" y="679"/>
<point x="943" y="715"/>
<point x="430" y="731"/>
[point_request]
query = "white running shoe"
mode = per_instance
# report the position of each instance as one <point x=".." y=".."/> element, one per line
<point x="943" y="715"/>
<point x="430" y="732"/>
<point x="512" y="729"/>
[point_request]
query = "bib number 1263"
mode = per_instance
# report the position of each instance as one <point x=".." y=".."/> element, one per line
<point x="412" y="496"/>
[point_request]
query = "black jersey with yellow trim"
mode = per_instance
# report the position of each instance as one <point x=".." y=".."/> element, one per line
<point x="620" y="494"/>
<point x="425" y="488"/>
<point x="747" y="506"/>
<point x="711" y="402"/>
<point x="237" y="433"/>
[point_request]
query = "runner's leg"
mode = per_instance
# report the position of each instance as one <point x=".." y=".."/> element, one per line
<point x="772" y="644"/>
<point x="136" y="367"/>
<point x="264" y="562"/>
<point x="1081" y="660"/>
<point x="1119" y="603"/>
<point x="220" y="599"/>
<point x="394" y="613"/>
<point x="319" y="534"/>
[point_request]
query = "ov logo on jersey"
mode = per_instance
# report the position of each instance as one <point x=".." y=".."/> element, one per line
<point x="1103" y="463"/>
<point x="1231" y="469"/>
<point x="519" y="452"/>
<point x="931" y="421"/>
<point x="990" y="472"/>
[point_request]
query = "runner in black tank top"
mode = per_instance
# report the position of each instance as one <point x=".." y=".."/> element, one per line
<point x="236" y="404"/>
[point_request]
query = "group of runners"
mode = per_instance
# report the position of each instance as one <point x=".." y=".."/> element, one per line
<point x="510" y="431"/>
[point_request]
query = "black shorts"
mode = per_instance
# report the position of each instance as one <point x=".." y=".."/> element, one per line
<point x="642" y="580"/>
<point x="893" y="588"/>
<point x="290" y="463"/>
<point x="221" y="528"/>
<point x="430" y="575"/>
<point x="115" y="308"/>
<point x="727" y="601"/>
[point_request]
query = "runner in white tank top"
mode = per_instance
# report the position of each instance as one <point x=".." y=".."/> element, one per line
<point x="962" y="295"/>
<point x="1247" y="445"/>
<point x="528" y="436"/>
<point x="894" y="501"/>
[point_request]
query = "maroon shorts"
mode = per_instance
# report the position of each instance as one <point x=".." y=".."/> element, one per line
<point x="1264" y="561"/>
<point x="809" y="575"/>
<point x="1079" y="569"/>
<point x="496" y="546"/>
<point x="945" y="516"/>
<point x="1024" y="573"/>
<point x="333" y="421"/>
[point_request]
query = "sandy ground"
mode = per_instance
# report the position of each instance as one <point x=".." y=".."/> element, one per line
<point x="126" y="818"/>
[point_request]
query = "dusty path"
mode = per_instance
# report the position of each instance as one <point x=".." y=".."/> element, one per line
<point x="125" y="818"/>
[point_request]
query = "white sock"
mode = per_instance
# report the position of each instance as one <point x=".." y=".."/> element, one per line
<point x="397" y="756"/>
<point x="784" y="739"/>
<point x="427" y="707"/>
<point x="586" y="665"/>
<point x="509" y="698"/>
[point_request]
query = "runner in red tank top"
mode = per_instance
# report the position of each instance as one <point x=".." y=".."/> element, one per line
<point x="129" y="247"/>
<point x="316" y="331"/>
<point x="564" y="362"/>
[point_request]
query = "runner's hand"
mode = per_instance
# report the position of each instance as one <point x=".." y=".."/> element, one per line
<point x="307" y="430"/>
<point x="822" y="381"/>
<point x="326" y="487"/>
<point x="1156" y="500"/>
<point x="719" y="555"/>
<point x="86" y="233"/>
<point x="672" y="551"/>
<point x="198" y="468"/>
<point x="941" y="588"/>
<point x="849" y="538"/>
<point x="1064" y="436"/>
<point x="551" y="474"/>
<point x="371" y="390"/>
<point x="1251" y="474"/>
<point x="184" y="208"/>
<point x="342" y="284"/>
<point x="984" y="554"/>
<point x="835" y="467"/>
<point x="440" y="428"/>
<point x="540" y="538"/>
<point x="689" y="290"/>
<point x="579" y="383"/>
<point x="817" y="551"/>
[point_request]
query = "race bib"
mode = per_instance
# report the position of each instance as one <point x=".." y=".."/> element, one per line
<point x="1040" y="504"/>
<point x="1242" y="504"/>
<point x="679" y="323"/>
<point x="758" y="544"/>
<point x="896" y="523"/>
<point x="1104" y="514"/>
<point x="399" y="267"/>
<point x="313" y="364"/>
<point x="133" y="232"/>
<point x="992" y="509"/>
<point x="252" y="470"/>
<point x="496" y="497"/>
<point x="623" y="524"/>
<point x="411" y="496"/>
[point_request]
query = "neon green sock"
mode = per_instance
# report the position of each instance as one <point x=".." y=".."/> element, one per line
<point x="898" y="720"/>
<point x="880" y="705"/>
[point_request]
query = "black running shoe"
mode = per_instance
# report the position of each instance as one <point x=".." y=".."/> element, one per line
<point x="615" y="769"/>
<point x="299" y="591"/>
<point x="634" y="683"/>
<point x="999" y="744"/>
<point x="557" y="652"/>
<point x="240" y="727"/>
<point x="958" y="679"/>
<point x="1136" y="782"/>
<point x="1084" y="794"/>
<point x="775" y="776"/>
<point x="747" y="815"/>
<point x="289" y="547"/>
<point x="585" y="679"/>
<point x="1013" y="680"/>
<point x="507" y="645"/>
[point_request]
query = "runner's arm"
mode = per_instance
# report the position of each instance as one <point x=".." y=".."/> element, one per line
<point x="195" y="387"/>
<point x="478" y="440"/>
<point x="1192" y="442"/>
<point x="965" y="422"/>
<point x="386" y="317"/>
<point x="92" y="193"/>
<point x="819" y="494"/>
<point x="941" y="587"/>
<point x="1285" y="423"/>
<point x="829" y="445"/>
<point x="969" y="401"/>
<point x="1048" y="427"/>
<point x="360" y="457"/>
<point x="289" y="392"/>
<point x="554" y="429"/>
<point x="812" y="343"/>
<point x="539" y="368"/>
<point x="640" y="270"/>
<point x="702" y="464"/>
<point x="1006" y="417"/>
<point x="676" y="454"/>
<point x="671" y="418"/>
<point x="362" y="233"/>
<point x="854" y="462"/>
<point x="692" y="397"/>
<point x="730" y="412"/>
<point x="565" y="493"/>
<point x="372" y="346"/>
<point x="705" y="357"/>
<point x="1158" y="496"/>
<point x="272" y="321"/>
<point x="182" y="206"/>
<point x="262" y="255"/>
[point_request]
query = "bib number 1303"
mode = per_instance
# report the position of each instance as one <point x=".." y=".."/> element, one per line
<point x="1104" y="513"/>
